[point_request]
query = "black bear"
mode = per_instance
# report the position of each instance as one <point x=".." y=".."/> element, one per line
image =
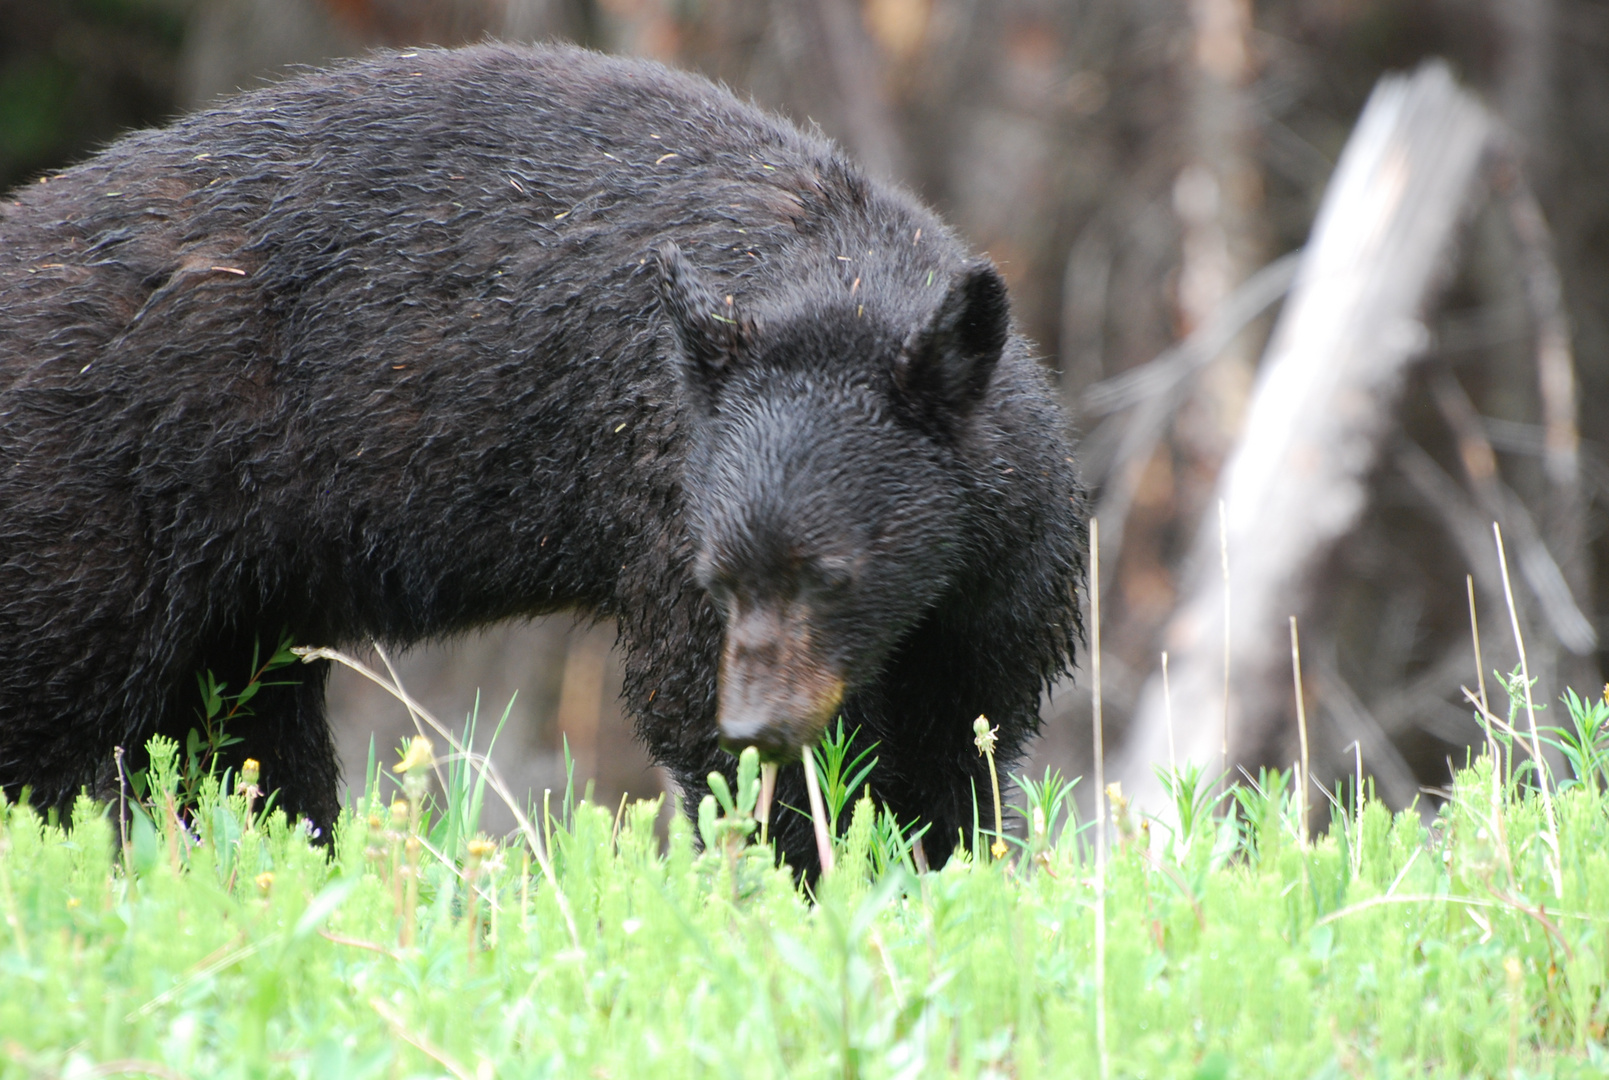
<point x="439" y="338"/>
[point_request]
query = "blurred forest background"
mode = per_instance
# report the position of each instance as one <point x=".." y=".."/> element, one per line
<point x="1130" y="165"/>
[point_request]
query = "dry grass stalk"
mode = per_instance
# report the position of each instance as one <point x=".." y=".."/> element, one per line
<point x="1167" y="707"/>
<point x="768" y="790"/>
<point x="1480" y="681"/>
<point x="1301" y="728"/>
<point x="420" y="1042"/>
<point x="818" y="812"/>
<point x="1551" y="836"/>
<point x="479" y="762"/>
<point x="1357" y="798"/>
<point x="1500" y="773"/>
<point x="1223" y="561"/>
<point x="1100" y="798"/>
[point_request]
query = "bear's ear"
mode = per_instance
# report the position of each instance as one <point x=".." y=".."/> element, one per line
<point x="947" y="362"/>
<point x="708" y="328"/>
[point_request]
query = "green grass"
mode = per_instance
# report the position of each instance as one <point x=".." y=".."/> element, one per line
<point x="233" y="948"/>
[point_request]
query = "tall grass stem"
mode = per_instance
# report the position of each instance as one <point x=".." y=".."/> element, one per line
<point x="1223" y="560"/>
<point x="768" y="790"/>
<point x="478" y="761"/>
<point x="1357" y="799"/>
<point x="1167" y="714"/>
<point x="818" y="811"/>
<point x="1301" y="727"/>
<point x="1101" y="1050"/>
<point x="1495" y="752"/>
<point x="1552" y="834"/>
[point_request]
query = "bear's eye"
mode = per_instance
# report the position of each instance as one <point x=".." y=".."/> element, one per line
<point x="716" y="580"/>
<point x="832" y="574"/>
<point x="721" y="588"/>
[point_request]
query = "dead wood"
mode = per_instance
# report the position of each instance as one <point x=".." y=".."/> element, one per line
<point x="1296" y="482"/>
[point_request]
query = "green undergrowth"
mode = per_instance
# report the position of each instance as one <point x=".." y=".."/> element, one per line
<point x="218" y="942"/>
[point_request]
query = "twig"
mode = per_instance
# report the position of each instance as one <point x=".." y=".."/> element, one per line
<point x="1498" y="722"/>
<point x="122" y="806"/>
<point x="1405" y="898"/>
<point x="1392" y="773"/>
<point x="1540" y="916"/>
<point x="205" y="971"/>
<point x="1544" y="294"/>
<point x="1480" y="676"/>
<point x="1541" y="571"/>
<point x="358" y="943"/>
<point x="1403" y="872"/>
<point x="1118" y="452"/>
<point x="1254" y="296"/>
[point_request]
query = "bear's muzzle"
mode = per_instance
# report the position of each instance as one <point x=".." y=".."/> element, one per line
<point x="777" y="693"/>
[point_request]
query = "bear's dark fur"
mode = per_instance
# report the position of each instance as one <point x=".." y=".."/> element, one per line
<point x="436" y="339"/>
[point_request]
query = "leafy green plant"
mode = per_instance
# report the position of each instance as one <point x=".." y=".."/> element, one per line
<point x="893" y="845"/>
<point x="1509" y="731"/>
<point x="1267" y="806"/>
<point x="1044" y="803"/>
<point x="726" y="821"/>
<point x="1585" y="743"/>
<point x="220" y="708"/>
<point x="840" y="775"/>
<point x="1194" y="796"/>
<point x="465" y="794"/>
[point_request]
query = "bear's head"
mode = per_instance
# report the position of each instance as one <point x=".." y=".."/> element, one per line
<point x="827" y="497"/>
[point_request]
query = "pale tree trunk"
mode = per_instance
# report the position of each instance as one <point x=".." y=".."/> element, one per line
<point x="1297" y="481"/>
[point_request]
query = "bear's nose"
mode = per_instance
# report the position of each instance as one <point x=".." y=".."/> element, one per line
<point x="774" y="742"/>
<point x="776" y="692"/>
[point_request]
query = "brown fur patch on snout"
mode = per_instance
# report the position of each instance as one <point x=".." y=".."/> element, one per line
<point x="777" y="693"/>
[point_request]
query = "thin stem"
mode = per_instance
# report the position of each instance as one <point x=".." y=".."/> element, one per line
<point x="1357" y="798"/>
<point x="1223" y="559"/>
<point x="1301" y="724"/>
<point x="998" y="848"/>
<point x="1100" y="799"/>
<point x="818" y="812"/>
<point x="1492" y="749"/>
<point x="1167" y="711"/>
<point x="1552" y="835"/>
<point x="539" y="848"/>
<point x="768" y="790"/>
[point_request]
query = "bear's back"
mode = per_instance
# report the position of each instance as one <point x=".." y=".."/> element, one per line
<point x="317" y="216"/>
